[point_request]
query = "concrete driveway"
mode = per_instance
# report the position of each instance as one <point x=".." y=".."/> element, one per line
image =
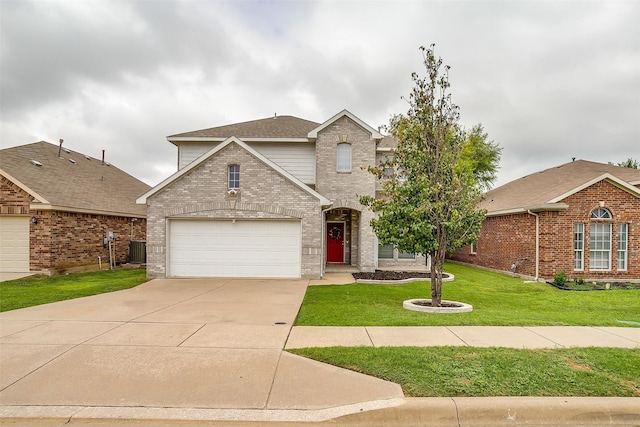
<point x="174" y="345"/>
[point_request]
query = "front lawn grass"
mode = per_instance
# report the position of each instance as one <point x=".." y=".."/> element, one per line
<point x="497" y="299"/>
<point x="469" y="371"/>
<point x="36" y="290"/>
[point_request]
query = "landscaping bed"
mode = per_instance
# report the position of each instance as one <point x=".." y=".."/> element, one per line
<point x="394" y="275"/>
<point x="594" y="286"/>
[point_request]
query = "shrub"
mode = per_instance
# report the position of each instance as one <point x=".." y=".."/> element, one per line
<point x="560" y="278"/>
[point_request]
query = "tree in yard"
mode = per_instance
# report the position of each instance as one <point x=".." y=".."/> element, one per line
<point x="435" y="178"/>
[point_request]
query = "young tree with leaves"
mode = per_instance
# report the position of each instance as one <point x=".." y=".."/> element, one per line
<point x="439" y="172"/>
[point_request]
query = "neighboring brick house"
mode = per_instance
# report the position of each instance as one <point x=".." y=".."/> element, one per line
<point x="582" y="218"/>
<point x="276" y="197"/>
<point x="57" y="206"/>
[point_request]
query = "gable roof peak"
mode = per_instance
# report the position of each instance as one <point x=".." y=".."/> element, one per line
<point x="375" y="134"/>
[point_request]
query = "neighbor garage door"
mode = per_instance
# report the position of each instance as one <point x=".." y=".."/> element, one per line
<point x="14" y="244"/>
<point x="227" y="249"/>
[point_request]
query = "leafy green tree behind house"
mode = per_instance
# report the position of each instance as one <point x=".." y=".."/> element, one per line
<point x="439" y="173"/>
<point x="630" y="163"/>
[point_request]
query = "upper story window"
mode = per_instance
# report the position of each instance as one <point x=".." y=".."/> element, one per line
<point x="343" y="163"/>
<point x="234" y="176"/>
<point x="601" y="213"/>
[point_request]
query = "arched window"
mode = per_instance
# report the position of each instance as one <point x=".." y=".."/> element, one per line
<point x="600" y="240"/>
<point x="234" y="177"/>
<point x="600" y="213"/>
<point x="344" y="157"/>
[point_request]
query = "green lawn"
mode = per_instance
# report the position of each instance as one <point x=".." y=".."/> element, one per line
<point x="36" y="290"/>
<point x="497" y="299"/>
<point x="469" y="371"/>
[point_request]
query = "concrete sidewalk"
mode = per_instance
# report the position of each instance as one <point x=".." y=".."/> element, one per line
<point x="530" y="337"/>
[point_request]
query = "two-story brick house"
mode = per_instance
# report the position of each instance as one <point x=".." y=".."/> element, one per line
<point x="276" y="197"/>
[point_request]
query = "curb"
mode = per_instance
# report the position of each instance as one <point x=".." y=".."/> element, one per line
<point x="436" y="411"/>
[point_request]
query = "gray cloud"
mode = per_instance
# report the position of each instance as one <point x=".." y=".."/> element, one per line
<point x="549" y="80"/>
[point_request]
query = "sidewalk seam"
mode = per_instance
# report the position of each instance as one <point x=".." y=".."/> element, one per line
<point x="366" y="329"/>
<point x="455" y="404"/>
<point x="542" y="336"/>
<point x="457" y="336"/>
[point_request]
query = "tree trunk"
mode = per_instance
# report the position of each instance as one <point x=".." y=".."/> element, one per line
<point x="437" y="263"/>
<point x="436" y="280"/>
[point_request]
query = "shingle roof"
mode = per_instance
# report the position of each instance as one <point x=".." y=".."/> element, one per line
<point x="543" y="187"/>
<point x="272" y="127"/>
<point x="86" y="184"/>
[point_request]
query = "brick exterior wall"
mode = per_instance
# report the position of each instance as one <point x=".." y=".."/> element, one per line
<point x="505" y="239"/>
<point x="13" y="199"/>
<point x="62" y="240"/>
<point x="344" y="188"/>
<point x="264" y="193"/>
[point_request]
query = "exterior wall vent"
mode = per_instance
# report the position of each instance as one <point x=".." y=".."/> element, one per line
<point x="87" y="157"/>
<point x="72" y="161"/>
<point x="66" y="150"/>
<point x="35" y="163"/>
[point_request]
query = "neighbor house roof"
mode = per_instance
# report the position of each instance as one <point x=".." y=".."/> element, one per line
<point x="545" y="190"/>
<point x="276" y="127"/>
<point x="72" y="182"/>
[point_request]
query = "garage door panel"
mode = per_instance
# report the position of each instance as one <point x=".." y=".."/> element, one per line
<point x="240" y="249"/>
<point x="14" y="244"/>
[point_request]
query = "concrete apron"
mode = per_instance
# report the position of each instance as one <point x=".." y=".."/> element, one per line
<point x="174" y="348"/>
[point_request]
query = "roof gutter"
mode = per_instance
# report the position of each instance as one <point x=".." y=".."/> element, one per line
<point x="208" y="139"/>
<point x="545" y="207"/>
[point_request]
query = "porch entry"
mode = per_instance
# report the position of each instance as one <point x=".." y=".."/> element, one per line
<point x="335" y="241"/>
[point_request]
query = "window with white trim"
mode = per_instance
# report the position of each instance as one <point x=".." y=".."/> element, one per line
<point x="234" y="177"/>
<point x="343" y="163"/>
<point x="623" y="241"/>
<point x="473" y="249"/>
<point x="601" y="213"/>
<point x="600" y="246"/>
<point x="578" y="246"/>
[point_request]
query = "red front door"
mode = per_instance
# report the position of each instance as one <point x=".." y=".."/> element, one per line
<point x="335" y="242"/>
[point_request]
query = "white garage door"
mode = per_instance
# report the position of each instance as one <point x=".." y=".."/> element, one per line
<point x="228" y="249"/>
<point x="14" y="244"/>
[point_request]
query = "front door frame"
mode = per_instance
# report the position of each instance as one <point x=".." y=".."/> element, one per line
<point x="326" y="239"/>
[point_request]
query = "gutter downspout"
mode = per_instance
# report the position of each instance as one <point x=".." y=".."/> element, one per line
<point x="537" y="243"/>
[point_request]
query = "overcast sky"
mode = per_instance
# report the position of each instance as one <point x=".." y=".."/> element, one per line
<point x="549" y="80"/>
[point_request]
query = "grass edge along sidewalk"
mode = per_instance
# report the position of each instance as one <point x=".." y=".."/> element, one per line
<point x="497" y="299"/>
<point x="36" y="290"/>
<point x="478" y="372"/>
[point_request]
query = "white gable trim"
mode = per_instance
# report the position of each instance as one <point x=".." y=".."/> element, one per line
<point x="614" y="180"/>
<point x="143" y="199"/>
<point x="374" y="133"/>
<point x="38" y="198"/>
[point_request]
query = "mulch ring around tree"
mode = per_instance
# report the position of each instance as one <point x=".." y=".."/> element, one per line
<point x="394" y="275"/>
